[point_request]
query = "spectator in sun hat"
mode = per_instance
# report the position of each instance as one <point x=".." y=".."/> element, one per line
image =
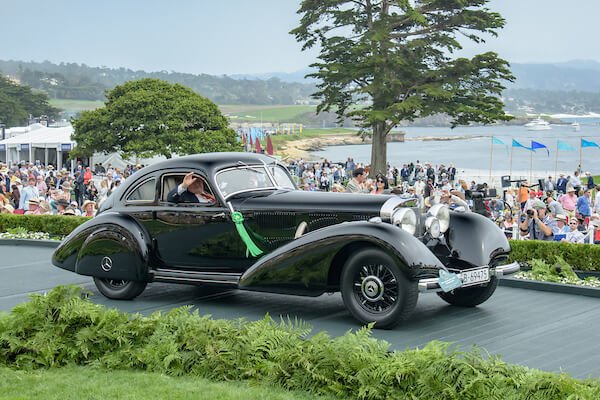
<point x="569" y="201"/>
<point x="44" y="208"/>
<point x="33" y="206"/>
<point x="89" y="208"/>
<point x="61" y="205"/>
<point x="561" y="227"/>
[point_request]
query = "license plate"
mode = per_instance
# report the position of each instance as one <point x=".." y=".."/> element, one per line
<point x="475" y="276"/>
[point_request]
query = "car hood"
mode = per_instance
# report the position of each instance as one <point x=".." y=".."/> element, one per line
<point x="301" y="201"/>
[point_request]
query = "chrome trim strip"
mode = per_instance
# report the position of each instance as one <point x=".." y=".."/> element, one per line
<point x="502" y="270"/>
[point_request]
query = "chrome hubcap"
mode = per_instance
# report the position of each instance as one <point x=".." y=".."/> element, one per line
<point x="376" y="288"/>
<point x="372" y="288"/>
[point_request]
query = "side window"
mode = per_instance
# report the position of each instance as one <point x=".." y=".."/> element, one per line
<point x="170" y="183"/>
<point x="144" y="192"/>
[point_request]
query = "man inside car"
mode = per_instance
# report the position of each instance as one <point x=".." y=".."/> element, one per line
<point x="191" y="190"/>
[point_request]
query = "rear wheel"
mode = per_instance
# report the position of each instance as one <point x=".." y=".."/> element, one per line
<point x="374" y="289"/>
<point x="470" y="296"/>
<point x="119" y="289"/>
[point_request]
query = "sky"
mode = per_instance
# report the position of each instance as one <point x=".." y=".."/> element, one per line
<point x="249" y="36"/>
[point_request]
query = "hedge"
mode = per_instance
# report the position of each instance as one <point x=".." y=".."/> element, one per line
<point x="65" y="328"/>
<point x="58" y="225"/>
<point x="584" y="257"/>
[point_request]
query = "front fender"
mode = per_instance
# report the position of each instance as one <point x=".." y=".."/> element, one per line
<point x="303" y="266"/>
<point x="475" y="240"/>
<point x="116" y="236"/>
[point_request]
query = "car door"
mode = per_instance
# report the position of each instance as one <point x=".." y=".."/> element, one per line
<point x="198" y="236"/>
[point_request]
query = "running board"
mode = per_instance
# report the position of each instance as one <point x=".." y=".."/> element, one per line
<point x="180" y="276"/>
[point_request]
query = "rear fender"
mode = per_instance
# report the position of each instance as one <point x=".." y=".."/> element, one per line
<point x="310" y="264"/>
<point x="109" y="246"/>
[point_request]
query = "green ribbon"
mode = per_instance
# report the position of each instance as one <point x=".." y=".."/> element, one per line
<point x="251" y="248"/>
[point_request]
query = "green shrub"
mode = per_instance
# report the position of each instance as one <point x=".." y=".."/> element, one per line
<point x="59" y="225"/>
<point x="63" y="328"/>
<point x="584" y="257"/>
<point x="560" y="272"/>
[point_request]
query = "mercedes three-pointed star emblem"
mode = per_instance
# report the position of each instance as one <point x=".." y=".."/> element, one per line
<point x="106" y="264"/>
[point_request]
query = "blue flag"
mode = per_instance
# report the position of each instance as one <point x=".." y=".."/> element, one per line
<point x="538" y="145"/>
<point x="495" y="140"/>
<point x="517" y="144"/>
<point x="564" y="146"/>
<point x="587" y="143"/>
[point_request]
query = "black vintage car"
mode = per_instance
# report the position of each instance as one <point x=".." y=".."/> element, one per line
<point x="260" y="233"/>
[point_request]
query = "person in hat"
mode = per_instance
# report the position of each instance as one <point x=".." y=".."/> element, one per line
<point x="33" y="206"/>
<point x="537" y="225"/>
<point x="569" y="201"/>
<point x="561" y="227"/>
<point x="69" y="211"/>
<point x="44" y="208"/>
<point x="61" y="205"/>
<point x="89" y="208"/>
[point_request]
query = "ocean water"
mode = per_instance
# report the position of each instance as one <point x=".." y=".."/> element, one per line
<point x="470" y="153"/>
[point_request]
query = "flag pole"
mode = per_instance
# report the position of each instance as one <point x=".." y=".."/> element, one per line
<point x="580" y="153"/>
<point x="511" y="154"/>
<point x="531" y="166"/>
<point x="556" y="163"/>
<point x="491" y="151"/>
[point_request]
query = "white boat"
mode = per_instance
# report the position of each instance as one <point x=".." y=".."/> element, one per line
<point x="538" y="124"/>
<point x="576" y="126"/>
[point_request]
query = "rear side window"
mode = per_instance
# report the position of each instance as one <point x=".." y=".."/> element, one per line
<point x="144" y="192"/>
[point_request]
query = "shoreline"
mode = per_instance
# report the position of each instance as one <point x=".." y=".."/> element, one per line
<point x="303" y="148"/>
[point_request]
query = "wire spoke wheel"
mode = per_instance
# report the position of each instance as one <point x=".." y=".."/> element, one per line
<point x="375" y="289"/>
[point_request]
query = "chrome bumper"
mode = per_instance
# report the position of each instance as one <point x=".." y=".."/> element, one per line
<point x="432" y="284"/>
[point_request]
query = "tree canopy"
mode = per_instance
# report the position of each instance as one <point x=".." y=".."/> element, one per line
<point x="18" y="102"/>
<point x="386" y="61"/>
<point x="151" y="117"/>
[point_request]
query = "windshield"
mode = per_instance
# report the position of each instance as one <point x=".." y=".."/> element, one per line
<point x="242" y="179"/>
<point x="281" y="176"/>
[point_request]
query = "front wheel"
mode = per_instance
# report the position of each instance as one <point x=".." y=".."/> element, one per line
<point x="470" y="296"/>
<point x="119" y="289"/>
<point x="375" y="290"/>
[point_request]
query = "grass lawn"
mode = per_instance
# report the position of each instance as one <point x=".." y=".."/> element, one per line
<point x="75" y="106"/>
<point x="89" y="383"/>
<point x="264" y="113"/>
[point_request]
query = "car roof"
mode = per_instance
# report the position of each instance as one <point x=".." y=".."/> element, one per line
<point x="211" y="162"/>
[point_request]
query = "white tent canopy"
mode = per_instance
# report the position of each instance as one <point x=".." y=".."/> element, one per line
<point x="47" y="145"/>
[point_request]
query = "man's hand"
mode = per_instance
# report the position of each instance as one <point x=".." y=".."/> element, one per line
<point x="188" y="180"/>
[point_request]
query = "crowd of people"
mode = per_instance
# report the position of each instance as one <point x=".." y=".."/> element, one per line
<point x="567" y="209"/>
<point x="27" y="188"/>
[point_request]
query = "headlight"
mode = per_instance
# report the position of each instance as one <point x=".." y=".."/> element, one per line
<point x="406" y="219"/>
<point x="432" y="224"/>
<point x="442" y="213"/>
